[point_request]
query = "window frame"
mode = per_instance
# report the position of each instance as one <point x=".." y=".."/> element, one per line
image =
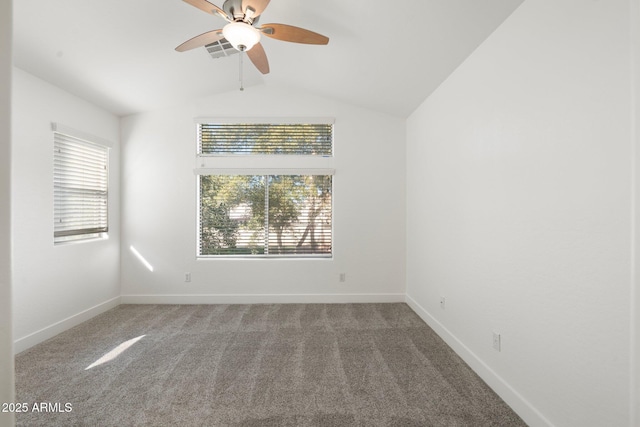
<point x="264" y="165"/>
<point x="61" y="133"/>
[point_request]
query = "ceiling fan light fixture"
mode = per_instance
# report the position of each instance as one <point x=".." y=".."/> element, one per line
<point x="241" y="35"/>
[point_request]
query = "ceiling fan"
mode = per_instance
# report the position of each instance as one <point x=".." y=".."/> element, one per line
<point x="243" y="33"/>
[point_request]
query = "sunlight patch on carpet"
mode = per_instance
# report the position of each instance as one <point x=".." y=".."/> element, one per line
<point x="115" y="352"/>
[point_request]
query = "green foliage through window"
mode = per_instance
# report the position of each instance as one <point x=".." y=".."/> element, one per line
<point x="291" y="139"/>
<point x="274" y="215"/>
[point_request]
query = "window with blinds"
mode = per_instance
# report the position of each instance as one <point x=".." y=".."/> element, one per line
<point x="273" y="215"/>
<point x="80" y="189"/>
<point x="258" y="205"/>
<point x="246" y="138"/>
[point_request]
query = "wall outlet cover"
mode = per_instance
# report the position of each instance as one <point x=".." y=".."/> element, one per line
<point x="496" y="341"/>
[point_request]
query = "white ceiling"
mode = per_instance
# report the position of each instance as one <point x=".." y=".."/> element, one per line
<point x="119" y="54"/>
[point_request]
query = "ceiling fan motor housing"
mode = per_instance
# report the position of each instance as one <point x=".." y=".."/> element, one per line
<point x="233" y="8"/>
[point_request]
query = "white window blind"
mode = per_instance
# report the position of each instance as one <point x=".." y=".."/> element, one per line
<point x="262" y="138"/>
<point x="80" y="179"/>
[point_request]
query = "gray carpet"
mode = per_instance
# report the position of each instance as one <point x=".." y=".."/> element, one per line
<point x="255" y="365"/>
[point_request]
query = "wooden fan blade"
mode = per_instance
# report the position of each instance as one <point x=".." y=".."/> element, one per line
<point x="289" y="33"/>
<point x="259" y="58"/>
<point x="209" y="8"/>
<point x="201" y="40"/>
<point x="257" y="5"/>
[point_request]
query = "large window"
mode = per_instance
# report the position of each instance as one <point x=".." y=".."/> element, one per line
<point x="80" y="187"/>
<point x="251" y="202"/>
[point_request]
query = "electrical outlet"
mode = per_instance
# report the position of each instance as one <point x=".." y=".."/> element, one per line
<point x="442" y="302"/>
<point x="187" y="277"/>
<point x="496" y="341"/>
<point x="343" y="277"/>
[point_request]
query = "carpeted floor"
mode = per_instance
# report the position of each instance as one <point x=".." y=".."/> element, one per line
<point x="253" y="365"/>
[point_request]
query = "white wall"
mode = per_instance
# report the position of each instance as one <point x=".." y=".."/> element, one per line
<point x="6" y="341"/>
<point x="635" y="285"/>
<point x="519" y="171"/>
<point x="55" y="287"/>
<point x="159" y="208"/>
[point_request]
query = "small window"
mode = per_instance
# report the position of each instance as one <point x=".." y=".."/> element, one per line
<point x="302" y="139"/>
<point x="265" y="189"/>
<point x="80" y="177"/>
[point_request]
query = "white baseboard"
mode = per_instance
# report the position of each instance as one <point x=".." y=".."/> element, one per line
<point x="519" y="404"/>
<point x="21" y="344"/>
<point x="262" y="299"/>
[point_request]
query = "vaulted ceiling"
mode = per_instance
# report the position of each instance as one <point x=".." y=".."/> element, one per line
<point x="383" y="55"/>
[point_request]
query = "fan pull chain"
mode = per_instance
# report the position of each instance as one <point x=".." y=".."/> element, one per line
<point x="241" y="82"/>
